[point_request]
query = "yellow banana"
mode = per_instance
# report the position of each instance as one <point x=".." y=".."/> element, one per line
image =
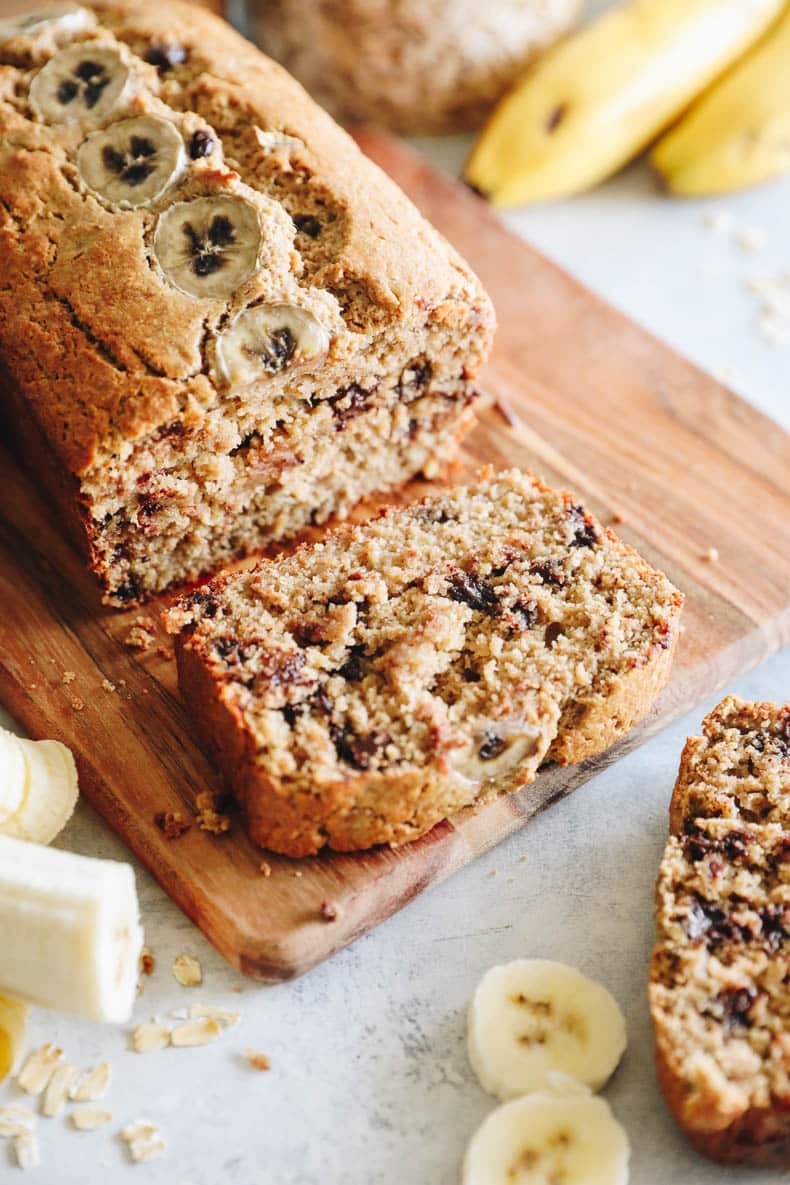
<point x="13" y="1021"/>
<point x="598" y="98"/>
<point x="738" y="133"/>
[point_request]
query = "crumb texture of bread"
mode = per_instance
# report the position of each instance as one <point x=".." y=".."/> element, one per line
<point x="718" y="990"/>
<point x="365" y="687"/>
<point x="414" y="66"/>
<point x="225" y="329"/>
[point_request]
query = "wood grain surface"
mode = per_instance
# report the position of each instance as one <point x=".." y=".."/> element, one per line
<point x="580" y="395"/>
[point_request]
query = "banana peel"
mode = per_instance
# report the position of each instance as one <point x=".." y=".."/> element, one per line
<point x="13" y="1024"/>
<point x="738" y="133"/>
<point x="597" y="99"/>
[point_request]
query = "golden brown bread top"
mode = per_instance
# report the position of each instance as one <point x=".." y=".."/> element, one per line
<point x="104" y="349"/>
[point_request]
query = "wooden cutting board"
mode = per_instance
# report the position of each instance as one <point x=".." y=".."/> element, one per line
<point x="585" y="398"/>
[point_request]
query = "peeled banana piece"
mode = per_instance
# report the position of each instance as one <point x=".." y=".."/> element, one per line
<point x="533" y="1018"/>
<point x="70" y="927"/>
<point x="738" y="133"/>
<point x="13" y="1023"/>
<point x="597" y="99"/>
<point x="546" y="1138"/>
<point x="38" y="788"/>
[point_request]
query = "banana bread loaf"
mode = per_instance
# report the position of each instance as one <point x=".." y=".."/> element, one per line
<point x="415" y="66"/>
<point x="218" y="321"/>
<point x="719" y="992"/>
<point x="361" y="689"/>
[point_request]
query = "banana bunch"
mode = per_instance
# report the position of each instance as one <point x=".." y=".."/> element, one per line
<point x="543" y="1036"/>
<point x="599" y="98"/>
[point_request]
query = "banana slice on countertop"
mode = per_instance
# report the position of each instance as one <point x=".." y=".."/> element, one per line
<point x="266" y="339"/>
<point x="133" y="162"/>
<point x="38" y="788"/>
<point x="72" y="926"/>
<point x="82" y="84"/>
<point x="13" y="1026"/>
<point x="209" y="246"/>
<point x="532" y="1018"/>
<point x="546" y="1138"/>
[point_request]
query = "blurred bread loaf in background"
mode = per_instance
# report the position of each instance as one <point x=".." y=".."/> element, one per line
<point x="414" y="66"/>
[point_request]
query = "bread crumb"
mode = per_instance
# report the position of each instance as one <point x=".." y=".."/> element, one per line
<point x="172" y="824"/>
<point x="265" y="868"/>
<point x="329" y="911"/>
<point x="107" y="685"/>
<point x="147" y="961"/>
<point x="144" y="1139"/>
<point x="298" y="872"/>
<point x="69" y="676"/>
<point x="139" y="636"/>
<point x="258" y="1061"/>
<point x="617" y="517"/>
<point x="208" y="817"/>
<point x="77" y="704"/>
<point x="187" y="970"/>
<point x="711" y="556"/>
<point x="506" y="412"/>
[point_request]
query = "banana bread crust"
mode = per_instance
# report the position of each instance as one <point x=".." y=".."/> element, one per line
<point x="119" y="368"/>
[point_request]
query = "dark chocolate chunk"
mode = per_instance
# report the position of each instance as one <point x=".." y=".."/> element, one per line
<point x="359" y="751"/>
<point x="583" y="531"/>
<point x="475" y="592"/>
<point x="307" y="224"/>
<point x="166" y="55"/>
<point x="492" y="746"/>
<point x="350" y="402"/>
<point x="202" y="144"/>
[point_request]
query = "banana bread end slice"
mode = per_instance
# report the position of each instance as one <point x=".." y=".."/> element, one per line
<point x="363" y="688"/>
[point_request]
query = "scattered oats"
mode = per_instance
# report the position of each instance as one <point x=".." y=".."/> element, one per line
<point x="144" y="1139"/>
<point x="88" y="1119"/>
<point x="298" y="872"/>
<point x="196" y="1032"/>
<point x="711" y="556"/>
<point x="58" y="1089"/>
<point x="147" y="961"/>
<point x="180" y="1013"/>
<point x="92" y="1085"/>
<point x="506" y="412"/>
<point x="150" y="1036"/>
<point x="719" y="221"/>
<point x="523" y="859"/>
<point x="69" y="676"/>
<point x="208" y="817"/>
<point x="258" y="1061"/>
<point x="172" y="824"/>
<point x="494" y="872"/>
<point x="265" y="867"/>
<point x="27" y="1151"/>
<point x="773" y="297"/>
<point x="16" y="1120"/>
<point x="39" y="1068"/>
<point x="187" y="970"/>
<point x="226" y="1016"/>
<point x="107" y="685"/>
<point x="329" y="911"/>
<point x="751" y="238"/>
<point x="77" y="704"/>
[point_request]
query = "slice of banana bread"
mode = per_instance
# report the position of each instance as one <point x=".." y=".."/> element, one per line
<point x="719" y="991"/>
<point x="219" y="322"/>
<point x="363" y="688"/>
<point x="738" y="769"/>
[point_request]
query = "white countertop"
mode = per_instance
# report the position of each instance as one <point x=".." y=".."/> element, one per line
<point x="369" y="1082"/>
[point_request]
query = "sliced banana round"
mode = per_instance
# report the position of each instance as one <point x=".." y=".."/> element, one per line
<point x="495" y="752"/>
<point x="548" y="1138"/>
<point x="209" y="246"/>
<point x="51" y="792"/>
<point x="132" y="162"/>
<point x="266" y="339"/>
<point x="81" y="84"/>
<point x="58" y="19"/>
<point x="533" y="1018"/>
